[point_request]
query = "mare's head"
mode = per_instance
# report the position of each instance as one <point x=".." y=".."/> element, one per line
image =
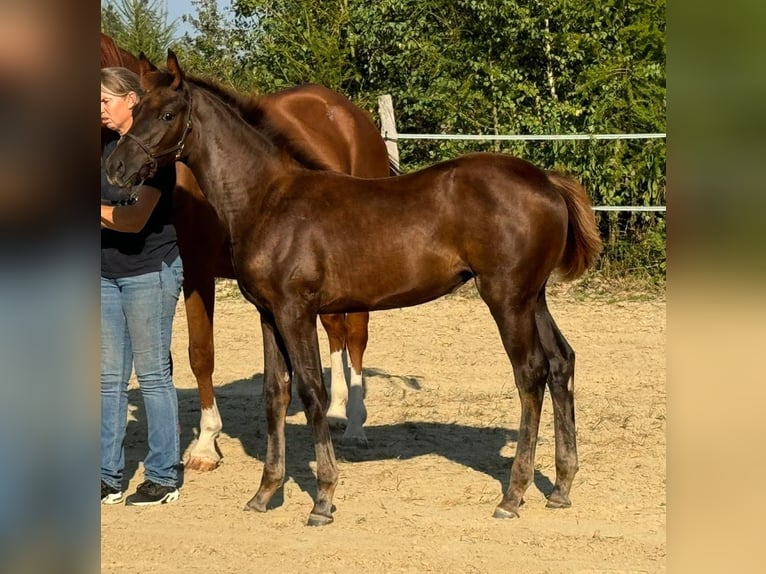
<point x="113" y="55"/>
<point x="161" y="125"/>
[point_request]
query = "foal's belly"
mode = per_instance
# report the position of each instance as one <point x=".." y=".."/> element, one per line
<point x="369" y="285"/>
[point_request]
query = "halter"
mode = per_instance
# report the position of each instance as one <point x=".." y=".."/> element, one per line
<point x="178" y="148"/>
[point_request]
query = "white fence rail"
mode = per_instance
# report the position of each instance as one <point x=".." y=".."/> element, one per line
<point x="522" y="137"/>
<point x="391" y="137"/>
<point x="657" y="208"/>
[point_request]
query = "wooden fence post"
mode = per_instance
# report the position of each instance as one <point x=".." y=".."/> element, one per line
<point x="388" y="127"/>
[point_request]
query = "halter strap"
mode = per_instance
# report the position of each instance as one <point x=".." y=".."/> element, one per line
<point x="178" y="148"/>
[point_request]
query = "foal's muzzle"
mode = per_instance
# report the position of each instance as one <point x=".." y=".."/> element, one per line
<point x="150" y="166"/>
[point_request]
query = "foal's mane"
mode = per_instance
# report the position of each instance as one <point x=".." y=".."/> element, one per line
<point x="252" y="112"/>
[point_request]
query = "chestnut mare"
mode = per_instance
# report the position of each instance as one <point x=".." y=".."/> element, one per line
<point x="307" y="242"/>
<point x="322" y="130"/>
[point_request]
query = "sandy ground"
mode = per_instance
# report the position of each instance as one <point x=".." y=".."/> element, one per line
<point x="443" y="415"/>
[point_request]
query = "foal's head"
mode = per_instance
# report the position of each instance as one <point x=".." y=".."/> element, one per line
<point x="161" y="124"/>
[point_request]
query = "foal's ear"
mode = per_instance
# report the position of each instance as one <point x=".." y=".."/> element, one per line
<point x="144" y="65"/>
<point x="175" y="69"/>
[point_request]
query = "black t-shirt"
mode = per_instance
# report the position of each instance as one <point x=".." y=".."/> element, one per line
<point x="131" y="254"/>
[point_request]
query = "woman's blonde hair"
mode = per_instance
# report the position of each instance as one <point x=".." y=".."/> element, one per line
<point x="120" y="82"/>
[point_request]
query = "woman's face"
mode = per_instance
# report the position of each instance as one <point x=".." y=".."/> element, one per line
<point x="117" y="111"/>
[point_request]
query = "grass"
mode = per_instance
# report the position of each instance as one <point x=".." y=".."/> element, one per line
<point x="593" y="286"/>
<point x="603" y="287"/>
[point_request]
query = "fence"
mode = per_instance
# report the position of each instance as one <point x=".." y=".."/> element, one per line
<point x="391" y="137"/>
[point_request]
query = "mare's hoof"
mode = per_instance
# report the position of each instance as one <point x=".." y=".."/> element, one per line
<point x="358" y="440"/>
<point x="319" y="520"/>
<point x="503" y="513"/>
<point x="202" y="464"/>
<point x="336" y="422"/>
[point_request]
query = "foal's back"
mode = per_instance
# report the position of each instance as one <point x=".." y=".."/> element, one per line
<point x="373" y="244"/>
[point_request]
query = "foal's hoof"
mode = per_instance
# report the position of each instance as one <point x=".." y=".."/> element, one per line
<point x="255" y="505"/>
<point x="319" y="520"/>
<point x="503" y="513"/>
<point x="557" y="500"/>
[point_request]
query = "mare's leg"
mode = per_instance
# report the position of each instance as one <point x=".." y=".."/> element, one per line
<point x="276" y="400"/>
<point x="516" y="321"/>
<point x="201" y="240"/>
<point x="298" y="328"/>
<point x="561" y="384"/>
<point x="356" y="329"/>
<point x="336" y="333"/>
<point x="199" y="299"/>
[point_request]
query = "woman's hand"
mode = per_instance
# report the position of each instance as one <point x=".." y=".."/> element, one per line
<point x="131" y="218"/>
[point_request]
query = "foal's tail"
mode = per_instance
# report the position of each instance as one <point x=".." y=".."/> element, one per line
<point x="583" y="241"/>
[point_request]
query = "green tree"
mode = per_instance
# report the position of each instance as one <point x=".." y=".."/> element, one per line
<point x="289" y="42"/>
<point x="139" y="26"/>
<point x="214" y="50"/>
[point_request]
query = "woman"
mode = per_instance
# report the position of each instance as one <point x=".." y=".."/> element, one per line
<point x="141" y="278"/>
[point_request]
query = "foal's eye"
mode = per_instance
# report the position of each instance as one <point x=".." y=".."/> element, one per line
<point x="168" y="116"/>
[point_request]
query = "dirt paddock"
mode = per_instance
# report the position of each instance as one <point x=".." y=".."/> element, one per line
<point x="443" y="415"/>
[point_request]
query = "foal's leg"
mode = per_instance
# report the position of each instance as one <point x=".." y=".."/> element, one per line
<point x="276" y="399"/>
<point x="298" y="328"/>
<point x="336" y="333"/>
<point x="516" y="322"/>
<point x="199" y="300"/>
<point x="356" y="329"/>
<point x="561" y="383"/>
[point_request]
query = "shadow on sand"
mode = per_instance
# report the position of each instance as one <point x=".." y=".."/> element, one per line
<point x="241" y="409"/>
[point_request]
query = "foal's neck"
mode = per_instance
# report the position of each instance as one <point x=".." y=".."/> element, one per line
<point x="233" y="162"/>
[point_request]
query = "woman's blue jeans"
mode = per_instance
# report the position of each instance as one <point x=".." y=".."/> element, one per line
<point x="136" y="326"/>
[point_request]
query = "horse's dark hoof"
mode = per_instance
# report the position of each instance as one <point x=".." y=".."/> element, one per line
<point x="503" y="513"/>
<point x="254" y="505"/>
<point x="558" y="502"/>
<point x="319" y="520"/>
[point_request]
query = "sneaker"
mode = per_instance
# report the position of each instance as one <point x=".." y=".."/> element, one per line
<point x="109" y="494"/>
<point x="150" y="493"/>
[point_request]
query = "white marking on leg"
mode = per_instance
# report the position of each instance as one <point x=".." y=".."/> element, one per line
<point x="357" y="412"/>
<point x="210" y="425"/>
<point x="338" y="389"/>
<point x="570" y="384"/>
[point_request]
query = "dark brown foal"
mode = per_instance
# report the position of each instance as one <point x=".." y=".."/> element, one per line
<point x="491" y="217"/>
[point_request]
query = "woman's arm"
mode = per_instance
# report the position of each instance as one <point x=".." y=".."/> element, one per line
<point x="131" y="218"/>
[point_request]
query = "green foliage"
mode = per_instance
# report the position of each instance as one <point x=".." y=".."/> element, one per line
<point x="215" y="49"/>
<point x="637" y="251"/>
<point x="139" y="26"/>
<point x="293" y="42"/>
